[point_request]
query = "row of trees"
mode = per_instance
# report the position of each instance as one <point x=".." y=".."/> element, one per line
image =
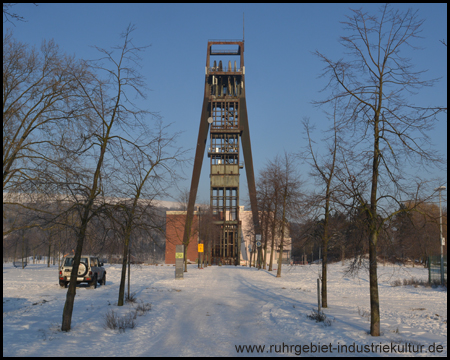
<point x="409" y="238"/>
<point x="79" y="153"/>
<point x="103" y="237"/>
<point x="368" y="196"/>
<point x="280" y="199"/>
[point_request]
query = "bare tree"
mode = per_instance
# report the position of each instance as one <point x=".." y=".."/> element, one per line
<point x="109" y="106"/>
<point x="145" y="171"/>
<point x="323" y="172"/>
<point x="265" y="203"/>
<point x="291" y="197"/>
<point x="279" y="193"/>
<point x="9" y="15"/>
<point x="385" y="129"/>
<point x="38" y="88"/>
<point x="269" y="197"/>
<point x="415" y="232"/>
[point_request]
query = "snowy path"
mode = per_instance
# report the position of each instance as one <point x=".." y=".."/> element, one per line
<point x="211" y="311"/>
<point x="224" y="308"/>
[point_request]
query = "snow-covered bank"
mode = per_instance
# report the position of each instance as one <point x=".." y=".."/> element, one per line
<point x="213" y="310"/>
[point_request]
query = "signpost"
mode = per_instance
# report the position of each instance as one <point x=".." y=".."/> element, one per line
<point x="258" y="246"/>
<point x="200" y="258"/>
<point x="179" y="256"/>
<point x="318" y="296"/>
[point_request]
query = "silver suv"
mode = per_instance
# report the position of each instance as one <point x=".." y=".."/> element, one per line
<point x="90" y="270"/>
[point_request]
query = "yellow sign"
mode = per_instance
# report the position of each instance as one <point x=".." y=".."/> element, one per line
<point x="178" y="255"/>
<point x="200" y="247"/>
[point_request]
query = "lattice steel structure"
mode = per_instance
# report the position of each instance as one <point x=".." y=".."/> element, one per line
<point x="225" y="112"/>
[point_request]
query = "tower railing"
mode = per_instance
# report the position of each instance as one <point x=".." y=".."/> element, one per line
<point x="225" y="69"/>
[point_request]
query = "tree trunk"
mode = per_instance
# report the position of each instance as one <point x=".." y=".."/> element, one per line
<point x="23" y="250"/>
<point x="15" y="252"/>
<point x="373" y="236"/>
<point x="283" y="224"/>
<point x="71" y="292"/>
<point x="374" y="299"/>
<point x="280" y="258"/>
<point x="325" y="252"/>
<point x="124" y="271"/>
<point x="272" y="246"/>
<point x="185" y="257"/>
<point x="258" y="257"/>
<point x="275" y="213"/>
<point x="129" y="270"/>
<point x="49" y="253"/>
<point x="324" y="275"/>
<point x="266" y="233"/>
<point x="210" y="255"/>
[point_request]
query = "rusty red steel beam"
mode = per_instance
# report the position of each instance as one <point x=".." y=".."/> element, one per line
<point x="198" y="161"/>
<point x="248" y="160"/>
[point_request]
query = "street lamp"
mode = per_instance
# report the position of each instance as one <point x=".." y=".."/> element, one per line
<point x="441" y="239"/>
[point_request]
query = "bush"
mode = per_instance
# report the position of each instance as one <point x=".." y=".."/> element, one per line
<point x="113" y="321"/>
<point x="319" y="316"/>
<point x="131" y="298"/>
<point x="412" y="281"/>
<point x="142" y="308"/>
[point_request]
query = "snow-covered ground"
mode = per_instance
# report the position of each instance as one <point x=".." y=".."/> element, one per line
<point x="212" y="311"/>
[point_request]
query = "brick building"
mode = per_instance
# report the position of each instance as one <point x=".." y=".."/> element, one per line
<point x="175" y="221"/>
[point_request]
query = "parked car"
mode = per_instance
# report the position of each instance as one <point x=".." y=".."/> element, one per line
<point x="90" y="271"/>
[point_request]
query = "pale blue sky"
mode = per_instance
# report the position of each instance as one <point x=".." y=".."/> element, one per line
<point x="281" y="72"/>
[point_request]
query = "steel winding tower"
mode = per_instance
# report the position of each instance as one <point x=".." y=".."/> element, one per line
<point x="225" y="112"/>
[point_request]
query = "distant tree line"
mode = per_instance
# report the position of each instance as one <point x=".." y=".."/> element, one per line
<point x="408" y="239"/>
<point x="57" y="240"/>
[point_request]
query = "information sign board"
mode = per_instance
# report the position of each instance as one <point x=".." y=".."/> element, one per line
<point x="179" y="251"/>
<point x="258" y="240"/>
